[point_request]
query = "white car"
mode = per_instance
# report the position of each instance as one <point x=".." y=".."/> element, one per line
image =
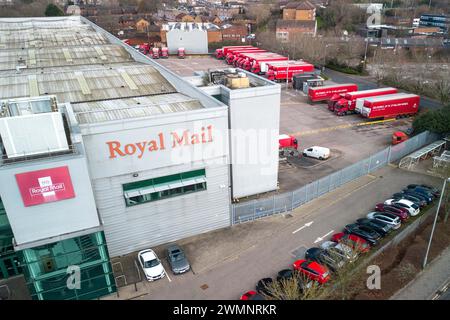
<point x="151" y="265"/>
<point x="412" y="208"/>
<point x="386" y="217"/>
<point x="320" y="153"/>
<point x="340" y="248"/>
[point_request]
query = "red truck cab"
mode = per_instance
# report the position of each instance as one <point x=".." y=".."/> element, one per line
<point x="287" y="141"/>
<point x="181" y="53"/>
<point x="155" y="53"/>
<point x="164" y="53"/>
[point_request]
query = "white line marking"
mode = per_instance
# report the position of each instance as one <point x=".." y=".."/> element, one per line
<point x="304" y="226"/>
<point x="322" y="237"/>
<point x="167" y="275"/>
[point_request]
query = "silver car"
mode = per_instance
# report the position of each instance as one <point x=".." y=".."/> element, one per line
<point x="177" y="259"/>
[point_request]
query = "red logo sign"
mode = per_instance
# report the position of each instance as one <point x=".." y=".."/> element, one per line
<point x="42" y="186"/>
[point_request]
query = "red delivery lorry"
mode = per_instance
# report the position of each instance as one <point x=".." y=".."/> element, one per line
<point x="230" y="52"/>
<point x="164" y="52"/>
<point x="221" y="53"/>
<point x="259" y="65"/>
<point x="181" y="53"/>
<point x="241" y="54"/>
<point x="233" y="54"/>
<point x="287" y="141"/>
<point x="155" y="53"/>
<point x="326" y="92"/>
<point x="285" y="70"/>
<point x="396" y="105"/>
<point x="345" y="103"/>
<point x="144" y="48"/>
<point x="247" y="58"/>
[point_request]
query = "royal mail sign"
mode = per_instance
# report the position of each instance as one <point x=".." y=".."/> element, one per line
<point x="43" y="186"/>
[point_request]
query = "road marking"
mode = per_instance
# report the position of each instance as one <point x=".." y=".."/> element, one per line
<point x="342" y="126"/>
<point x="304" y="226"/>
<point x="319" y="239"/>
<point x="167" y="275"/>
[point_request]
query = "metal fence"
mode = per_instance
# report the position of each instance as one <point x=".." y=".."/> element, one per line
<point x="288" y="201"/>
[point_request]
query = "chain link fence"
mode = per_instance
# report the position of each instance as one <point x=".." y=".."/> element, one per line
<point x="288" y="201"/>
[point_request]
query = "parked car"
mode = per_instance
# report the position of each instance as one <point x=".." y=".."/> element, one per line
<point x="263" y="286"/>
<point x="366" y="233"/>
<point x="400" y="212"/>
<point x="390" y="208"/>
<point x="340" y="249"/>
<point x="424" y="192"/>
<point x="381" y="227"/>
<point x="386" y="217"/>
<point x="417" y="200"/>
<point x="320" y="153"/>
<point x="353" y="241"/>
<point x="250" y="295"/>
<point x="287" y="274"/>
<point x="151" y="265"/>
<point x="332" y="261"/>
<point x="177" y="259"/>
<point x="313" y="270"/>
<point x="412" y="192"/>
<point x="412" y="208"/>
<point x="435" y="191"/>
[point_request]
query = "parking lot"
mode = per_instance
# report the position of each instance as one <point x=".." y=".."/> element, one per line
<point x="228" y="262"/>
<point x="311" y="124"/>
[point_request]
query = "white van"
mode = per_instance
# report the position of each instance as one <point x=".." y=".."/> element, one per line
<point x="317" y="152"/>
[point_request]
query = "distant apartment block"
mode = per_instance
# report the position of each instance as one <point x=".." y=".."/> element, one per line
<point x="298" y="18"/>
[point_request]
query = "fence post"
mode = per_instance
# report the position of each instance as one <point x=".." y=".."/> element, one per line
<point x="273" y="204"/>
<point x="306" y="193"/>
<point x="292" y="201"/>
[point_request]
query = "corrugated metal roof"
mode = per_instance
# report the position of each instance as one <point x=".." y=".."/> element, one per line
<point x="110" y="110"/>
<point x="62" y="56"/>
<point x="69" y="59"/>
<point x="100" y="83"/>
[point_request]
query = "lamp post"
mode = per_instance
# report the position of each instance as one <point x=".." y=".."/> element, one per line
<point x="434" y="224"/>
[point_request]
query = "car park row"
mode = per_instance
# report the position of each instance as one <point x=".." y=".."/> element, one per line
<point x="320" y="264"/>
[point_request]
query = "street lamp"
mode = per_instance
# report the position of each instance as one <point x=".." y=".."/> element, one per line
<point x="434" y="224"/>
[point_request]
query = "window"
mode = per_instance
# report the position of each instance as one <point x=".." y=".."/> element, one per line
<point x="164" y="187"/>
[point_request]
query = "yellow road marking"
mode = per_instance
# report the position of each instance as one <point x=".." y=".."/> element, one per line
<point x="342" y="126"/>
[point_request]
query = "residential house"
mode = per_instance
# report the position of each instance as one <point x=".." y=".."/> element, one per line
<point x="302" y="11"/>
<point x="142" y="25"/>
<point x="234" y="32"/>
<point x="298" y="18"/>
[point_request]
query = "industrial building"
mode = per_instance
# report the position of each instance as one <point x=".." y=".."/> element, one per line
<point x="105" y="152"/>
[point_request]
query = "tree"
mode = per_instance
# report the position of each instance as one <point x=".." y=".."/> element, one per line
<point x="297" y="287"/>
<point x="437" y="121"/>
<point x="53" y="11"/>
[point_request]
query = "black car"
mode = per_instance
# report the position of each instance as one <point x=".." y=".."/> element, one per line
<point x="366" y="233"/>
<point x="379" y="226"/>
<point x="432" y="189"/>
<point x="332" y="261"/>
<point x="288" y="274"/>
<point x="416" y="194"/>
<point x="410" y="197"/>
<point x="263" y="286"/>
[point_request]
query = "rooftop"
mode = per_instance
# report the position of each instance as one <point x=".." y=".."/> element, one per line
<point x="128" y="108"/>
<point x="78" y="63"/>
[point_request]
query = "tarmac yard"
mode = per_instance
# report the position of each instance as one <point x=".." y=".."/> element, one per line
<point x="351" y="138"/>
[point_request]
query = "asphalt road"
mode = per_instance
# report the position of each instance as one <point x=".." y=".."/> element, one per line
<point x="278" y="241"/>
<point x="365" y="83"/>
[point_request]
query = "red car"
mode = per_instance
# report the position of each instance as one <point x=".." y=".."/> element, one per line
<point x="352" y="240"/>
<point x="399" y="212"/>
<point x="312" y="270"/>
<point x="248" y="295"/>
